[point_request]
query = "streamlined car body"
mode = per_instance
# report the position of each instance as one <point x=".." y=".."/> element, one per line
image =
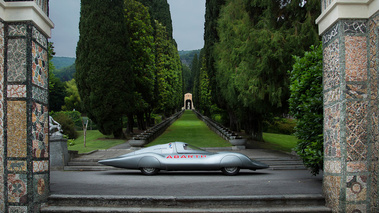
<point x="177" y="156"/>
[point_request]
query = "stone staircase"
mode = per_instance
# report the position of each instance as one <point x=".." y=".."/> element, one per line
<point x="268" y="203"/>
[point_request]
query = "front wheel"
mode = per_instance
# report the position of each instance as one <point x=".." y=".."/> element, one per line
<point x="149" y="171"/>
<point x="230" y="170"/>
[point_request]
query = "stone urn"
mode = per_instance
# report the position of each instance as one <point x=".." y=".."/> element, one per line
<point x="136" y="142"/>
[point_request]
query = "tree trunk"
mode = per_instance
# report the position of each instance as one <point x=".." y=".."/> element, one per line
<point x="117" y="132"/>
<point x="130" y="124"/>
<point x="141" y="121"/>
<point x="257" y="127"/>
<point x="233" y="121"/>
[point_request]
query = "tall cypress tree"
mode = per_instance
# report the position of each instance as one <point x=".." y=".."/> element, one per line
<point x="212" y="13"/>
<point x="160" y="11"/>
<point x="141" y="35"/>
<point x="104" y="76"/>
<point x="254" y="54"/>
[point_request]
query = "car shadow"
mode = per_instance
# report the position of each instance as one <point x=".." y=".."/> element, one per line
<point x="183" y="173"/>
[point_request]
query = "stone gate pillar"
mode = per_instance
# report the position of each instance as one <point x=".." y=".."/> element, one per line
<point x="24" y="156"/>
<point x="349" y="30"/>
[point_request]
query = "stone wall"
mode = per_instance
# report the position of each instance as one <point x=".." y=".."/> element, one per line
<point x="2" y="198"/>
<point x="26" y="118"/>
<point x="351" y="115"/>
<point x="24" y="148"/>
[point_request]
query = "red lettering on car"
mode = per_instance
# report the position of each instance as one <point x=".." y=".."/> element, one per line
<point x="183" y="156"/>
<point x="169" y="156"/>
<point x="203" y="156"/>
<point x="176" y="156"/>
<point x="190" y="156"/>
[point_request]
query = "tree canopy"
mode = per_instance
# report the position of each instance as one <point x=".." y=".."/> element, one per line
<point x="104" y="71"/>
<point x="248" y="50"/>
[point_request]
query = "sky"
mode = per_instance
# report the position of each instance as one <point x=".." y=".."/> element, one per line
<point x="187" y="19"/>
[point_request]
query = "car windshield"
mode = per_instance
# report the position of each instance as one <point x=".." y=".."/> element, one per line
<point x="188" y="148"/>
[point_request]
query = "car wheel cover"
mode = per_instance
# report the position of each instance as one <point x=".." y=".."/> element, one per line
<point x="231" y="169"/>
<point x="149" y="170"/>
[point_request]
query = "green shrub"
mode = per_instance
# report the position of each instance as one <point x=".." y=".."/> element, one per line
<point x="306" y="105"/>
<point x="278" y="125"/>
<point x="67" y="124"/>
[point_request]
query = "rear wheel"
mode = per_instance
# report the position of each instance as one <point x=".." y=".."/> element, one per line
<point x="230" y="170"/>
<point x="149" y="171"/>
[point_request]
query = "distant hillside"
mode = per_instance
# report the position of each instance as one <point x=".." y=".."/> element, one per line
<point x="187" y="56"/>
<point x="66" y="73"/>
<point x="61" y="62"/>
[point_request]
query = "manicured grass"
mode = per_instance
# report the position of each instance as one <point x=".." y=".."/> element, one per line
<point x="279" y="142"/>
<point x="94" y="141"/>
<point x="188" y="128"/>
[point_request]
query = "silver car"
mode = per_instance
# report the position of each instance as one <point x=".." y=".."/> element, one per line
<point x="183" y="156"/>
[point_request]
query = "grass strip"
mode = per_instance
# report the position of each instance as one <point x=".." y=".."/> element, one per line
<point x="188" y="128"/>
<point x="94" y="141"/>
<point x="278" y="142"/>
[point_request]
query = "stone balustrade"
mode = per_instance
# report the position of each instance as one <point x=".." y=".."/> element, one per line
<point x="236" y="140"/>
<point x="154" y="132"/>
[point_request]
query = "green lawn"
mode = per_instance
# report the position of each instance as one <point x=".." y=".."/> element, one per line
<point x="94" y="141"/>
<point x="188" y="128"/>
<point x="278" y="142"/>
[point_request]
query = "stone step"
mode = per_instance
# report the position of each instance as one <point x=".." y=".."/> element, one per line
<point x="266" y="203"/>
<point x="308" y="209"/>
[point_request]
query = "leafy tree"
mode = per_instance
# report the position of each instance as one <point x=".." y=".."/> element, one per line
<point x="306" y="105"/>
<point x="66" y="73"/>
<point x="256" y="42"/>
<point x="104" y="74"/>
<point x="160" y="11"/>
<point x="168" y="74"/>
<point x="56" y="87"/>
<point x="72" y="100"/>
<point x="211" y="37"/>
<point x="187" y="79"/>
<point x="141" y="35"/>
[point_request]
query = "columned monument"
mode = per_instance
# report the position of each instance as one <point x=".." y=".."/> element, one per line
<point x="24" y="149"/>
<point x="349" y="30"/>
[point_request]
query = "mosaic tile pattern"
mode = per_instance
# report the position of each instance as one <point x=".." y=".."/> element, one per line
<point x="16" y="60"/>
<point x="40" y="131"/>
<point x="17" y="166"/>
<point x="356" y="208"/>
<point x="356" y="135"/>
<point x="355" y="27"/>
<point x="332" y="166"/>
<point x="333" y="96"/>
<point x="332" y="33"/>
<point x="18" y="209"/>
<point x="331" y="65"/>
<point x="40" y="186"/>
<point x="17" y="129"/>
<point x="2" y="199"/>
<point x="40" y="166"/>
<point x="40" y="95"/>
<point x="17" y="30"/>
<point x="40" y="66"/>
<point x="356" y="91"/>
<point x="373" y="69"/>
<point x="332" y="190"/>
<point x="39" y="37"/>
<point x="332" y="131"/>
<point x="16" y="91"/>
<point x="356" y="58"/>
<point x="17" y="188"/>
<point x="356" y="188"/>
